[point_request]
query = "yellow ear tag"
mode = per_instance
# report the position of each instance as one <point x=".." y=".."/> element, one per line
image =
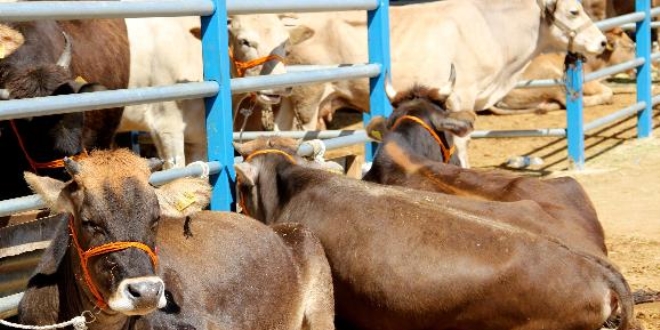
<point x="2" y="51"/>
<point x="376" y="135"/>
<point x="80" y="80"/>
<point x="185" y="201"/>
<point x="609" y="46"/>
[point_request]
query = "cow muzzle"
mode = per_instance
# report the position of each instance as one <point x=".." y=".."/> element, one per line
<point x="272" y="96"/>
<point x="138" y="296"/>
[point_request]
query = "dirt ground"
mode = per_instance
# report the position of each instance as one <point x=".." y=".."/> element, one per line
<point x="622" y="177"/>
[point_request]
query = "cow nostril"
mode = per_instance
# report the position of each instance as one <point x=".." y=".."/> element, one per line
<point x="134" y="290"/>
<point x="603" y="43"/>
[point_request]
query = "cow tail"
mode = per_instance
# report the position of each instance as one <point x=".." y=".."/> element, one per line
<point x="619" y="285"/>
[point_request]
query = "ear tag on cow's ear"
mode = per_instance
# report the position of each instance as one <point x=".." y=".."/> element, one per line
<point x="609" y="46"/>
<point x="80" y="80"/>
<point x="185" y="201"/>
<point x="376" y="135"/>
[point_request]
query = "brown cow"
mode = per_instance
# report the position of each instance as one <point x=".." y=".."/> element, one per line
<point x="405" y="259"/>
<point x="409" y="156"/>
<point x="229" y="272"/>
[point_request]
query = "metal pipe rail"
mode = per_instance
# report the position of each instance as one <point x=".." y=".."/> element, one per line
<point x="305" y="135"/>
<point x="614" y="69"/>
<point x="47" y="10"/>
<point x="613" y="22"/>
<point x="42" y="106"/>
<point x="33" y="202"/>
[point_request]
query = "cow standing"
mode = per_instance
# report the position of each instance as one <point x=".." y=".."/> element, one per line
<point x="405" y="259"/>
<point x="414" y="138"/>
<point x="45" y="59"/>
<point x="122" y="254"/>
<point x="489" y="41"/>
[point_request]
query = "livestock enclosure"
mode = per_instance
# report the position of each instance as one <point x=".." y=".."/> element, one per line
<point x="218" y="87"/>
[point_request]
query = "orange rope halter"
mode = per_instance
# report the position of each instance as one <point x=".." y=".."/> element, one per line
<point x="58" y="163"/>
<point x="241" y="201"/>
<point x="446" y="152"/>
<point x="103" y="249"/>
<point x="241" y="66"/>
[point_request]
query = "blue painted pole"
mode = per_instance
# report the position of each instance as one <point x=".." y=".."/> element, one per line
<point x="574" y="115"/>
<point x="219" y="128"/>
<point x="379" y="52"/>
<point x="644" y="92"/>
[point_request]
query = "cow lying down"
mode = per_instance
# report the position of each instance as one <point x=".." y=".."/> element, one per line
<point x="406" y="259"/>
<point x="117" y="258"/>
<point x="416" y="152"/>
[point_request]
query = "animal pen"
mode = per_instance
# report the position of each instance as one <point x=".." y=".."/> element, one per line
<point x="218" y="86"/>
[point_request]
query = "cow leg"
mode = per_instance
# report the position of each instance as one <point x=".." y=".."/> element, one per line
<point x="596" y="94"/>
<point x="166" y="127"/>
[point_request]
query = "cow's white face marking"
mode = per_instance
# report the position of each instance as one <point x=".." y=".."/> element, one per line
<point x="138" y="296"/>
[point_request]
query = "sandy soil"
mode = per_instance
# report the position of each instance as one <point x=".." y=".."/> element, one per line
<point x="622" y="177"/>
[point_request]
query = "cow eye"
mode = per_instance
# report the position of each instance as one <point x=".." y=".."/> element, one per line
<point x="155" y="223"/>
<point x="574" y="12"/>
<point x="244" y="42"/>
<point x="93" y="227"/>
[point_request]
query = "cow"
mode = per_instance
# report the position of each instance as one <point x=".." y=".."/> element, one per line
<point x="489" y="41"/>
<point x="620" y="49"/>
<point x="45" y="58"/>
<point x="415" y="153"/>
<point x="132" y="256"/>
<point x="407" y="259"/>
<point x="258" y="44"/>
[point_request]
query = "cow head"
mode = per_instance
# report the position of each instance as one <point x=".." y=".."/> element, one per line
<point x="26" y="81"/>
<point x="428" y="109"/>
<point x="259" y="45"/>
<point x="620" y="48"/>
<point x="114" y="215"/>
<point x="569" y="27"/>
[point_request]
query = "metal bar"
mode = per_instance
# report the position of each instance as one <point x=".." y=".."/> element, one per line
<point x="308" y="67"/>
<point x="655" y="11"/>
<point x="9" y="305"/>
<point x="633" y="26"/>
<point x="248" y="84"/>
<point x="41" y="106"/>
<point x="614" y="69"/>
<point x="32" y="202"/>
<point x="305" y="135"/>
<point x="644" y="79"/>
<point x="340" y="142"/>
<point x="192" y="170"/>
<point x="574" y="115"/>
<point x="655" y="57"/>
<point x="544" y="132"/>
<point x="378" y="36"/>
<point x="613" y="22"/>
<point x="219" y="126"/>
<point x="63" y="10"/>
<point x="239" y="7"/>
<point x="541" y="83"/>
<point x="625" y="112"/>
<point x="655" y="100"/>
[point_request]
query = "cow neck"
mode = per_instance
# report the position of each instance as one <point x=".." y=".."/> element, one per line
<point x="526" y="30"/>
<point x="416" y="140"/>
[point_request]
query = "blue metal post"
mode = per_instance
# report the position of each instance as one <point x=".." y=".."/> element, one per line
<point x="574" y="115"/>
<point x="644" y="93"/>
<point x="379" y="52"/>
<point x="219" y="128"/>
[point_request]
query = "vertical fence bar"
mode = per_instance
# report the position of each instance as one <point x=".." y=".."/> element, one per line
<point x="379" y="52"/>
<point x="574" y="115"/>
<point x="644" y="92"/>
<point x="218" y="108"/>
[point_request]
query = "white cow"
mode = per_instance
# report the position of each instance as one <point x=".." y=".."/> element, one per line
<point x="164" y="52"/>
<point x="490" y="42"/>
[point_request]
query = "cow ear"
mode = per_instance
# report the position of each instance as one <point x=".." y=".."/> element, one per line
<point x="300" y="34"/>
<point x="183" y="197"/>
<point x="246" y="173"/>
<point x="377" y="128"/>
<point x="53" y="255"/>
<point x="48" y="188"/>
<point x="459" y="123"/>
<point x="197" y="32"/>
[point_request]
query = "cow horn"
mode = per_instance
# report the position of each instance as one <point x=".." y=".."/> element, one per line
<point x="71" y="166"/>
<point x="447" y="89"/>
<point x="4" y="94"/>
<point x="65" y="59"/>
<point x="390" y="91"/>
